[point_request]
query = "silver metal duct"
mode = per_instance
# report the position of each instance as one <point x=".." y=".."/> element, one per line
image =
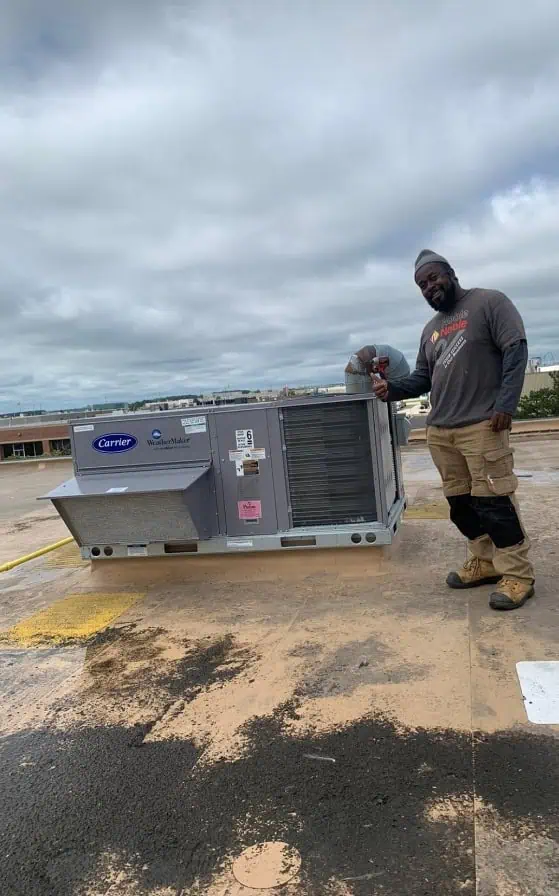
<point x="357" y="378"/>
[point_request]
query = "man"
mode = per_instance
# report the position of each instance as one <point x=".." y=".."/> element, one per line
<point x="472" y="359"/>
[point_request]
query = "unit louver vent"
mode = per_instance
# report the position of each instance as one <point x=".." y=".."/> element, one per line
<point x="157" y="517"/>
<point x="329" y="464"/>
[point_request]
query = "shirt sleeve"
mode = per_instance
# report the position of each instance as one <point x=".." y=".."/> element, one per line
<point x="414" y="385"/>
<point x="515" y="358"/>
<point x="509" y="336"/>
<point x="505" y="323"/>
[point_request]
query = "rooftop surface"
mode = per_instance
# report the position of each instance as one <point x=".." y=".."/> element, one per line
<point x="159" y="717"/>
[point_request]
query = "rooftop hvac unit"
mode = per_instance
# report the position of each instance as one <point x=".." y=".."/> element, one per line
<point x="313" y="472"/>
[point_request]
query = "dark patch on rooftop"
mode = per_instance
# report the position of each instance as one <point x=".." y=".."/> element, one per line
<point x="306" y="650"/>
<point x="116" y="632"/>
<point x="134" y="664"/>
<point x="68" y="798"/>
<point x="518" y="773"/>
<point x="206" y="664"/>
<point x="358" y="663"/>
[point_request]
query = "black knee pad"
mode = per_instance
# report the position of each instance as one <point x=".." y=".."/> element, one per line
<point x="499" y="517"/>
<point x="465" y="517"/>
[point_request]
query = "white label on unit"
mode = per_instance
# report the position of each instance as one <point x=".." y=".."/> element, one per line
<point x="137" y="550"/>
<point x="86" y="427"/>
<point x="194" y="424"/>
<point x="248" y="454"/>
<point x="239" y="468"/>
<point x="244" y="438"/>
<point x="117" y="491"/>
<point x="239" y="544"/>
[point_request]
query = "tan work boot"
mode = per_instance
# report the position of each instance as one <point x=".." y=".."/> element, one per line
<point x="474" y="573"/>
<point x="511" y="594"/>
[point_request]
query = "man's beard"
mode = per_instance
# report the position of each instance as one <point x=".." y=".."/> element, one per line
<point x="445" y="302"/>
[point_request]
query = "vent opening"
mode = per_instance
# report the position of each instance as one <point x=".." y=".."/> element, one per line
<point x="329" y="464"/>
<point x="298" y="541"/>
<point x="181" y="547"/>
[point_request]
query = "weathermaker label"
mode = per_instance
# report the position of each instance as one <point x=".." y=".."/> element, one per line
<point x="169" y="444"/>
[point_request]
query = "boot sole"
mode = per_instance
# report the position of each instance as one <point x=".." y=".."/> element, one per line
<point x="513" y="606"/>
<point x="458" y="585"/>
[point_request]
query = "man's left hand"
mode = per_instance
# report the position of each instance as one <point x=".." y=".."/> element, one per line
<point x="500" y="422"/>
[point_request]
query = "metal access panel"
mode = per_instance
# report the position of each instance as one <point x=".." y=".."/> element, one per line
<point x="380" y="425"/>
<point x="135" y="442"/>
<point x="246" y="473"/>
<point x="312" y="472"/>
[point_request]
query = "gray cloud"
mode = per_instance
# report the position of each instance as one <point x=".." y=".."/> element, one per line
<point x="233" y="193"/>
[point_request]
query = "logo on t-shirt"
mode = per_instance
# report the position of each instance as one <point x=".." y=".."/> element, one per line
<point x="454" y="327"/>
<point x="451" y="339"/>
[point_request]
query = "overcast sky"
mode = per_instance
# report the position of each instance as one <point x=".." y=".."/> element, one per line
<point x="216" y="194"/>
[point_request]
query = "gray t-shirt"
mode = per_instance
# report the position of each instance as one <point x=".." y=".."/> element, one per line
<point x="462" y="354"/>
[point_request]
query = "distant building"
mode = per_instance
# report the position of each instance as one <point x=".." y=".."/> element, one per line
<point x="26" y="437"/>
<point x="237" y="396"/>
<point x="41" y="435"/>
<point x="336" y="389"/>
<point x="537" y="380"/>
<point x="169" y="405"/>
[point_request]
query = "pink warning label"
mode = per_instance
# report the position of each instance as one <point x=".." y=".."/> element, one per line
<point x="250" y="510"/>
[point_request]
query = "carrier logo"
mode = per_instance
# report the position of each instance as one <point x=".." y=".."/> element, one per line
<point x="156" y="434"/>
<point x="114" y="443"/>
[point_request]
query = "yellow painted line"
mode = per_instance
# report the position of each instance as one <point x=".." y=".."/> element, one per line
<point x="76" y="617"/>
<point x="49" y="547"/>
<point x="67" y="557"/>
<point x="435" y="510"/>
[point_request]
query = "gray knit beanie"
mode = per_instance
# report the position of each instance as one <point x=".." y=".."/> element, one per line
<point x="427" y="256"/>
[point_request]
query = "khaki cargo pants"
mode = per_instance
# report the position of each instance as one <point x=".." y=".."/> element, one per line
<point x="476" y="466"/>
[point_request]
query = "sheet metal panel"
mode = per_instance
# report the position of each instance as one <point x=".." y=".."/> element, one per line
<point x="246" y="473"/>
<point x="112" y="484"/>
<point x="279" y="468"/>
<point x="131" y="519"/>
<point x="385" y="457"/>
<point x="130" y="442"/>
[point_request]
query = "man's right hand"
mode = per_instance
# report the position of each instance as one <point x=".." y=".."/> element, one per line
<point x="380" y="387"/>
